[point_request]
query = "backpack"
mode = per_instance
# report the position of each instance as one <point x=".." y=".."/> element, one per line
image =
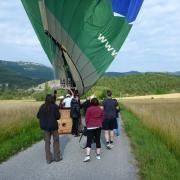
<point x="75" y="110"/>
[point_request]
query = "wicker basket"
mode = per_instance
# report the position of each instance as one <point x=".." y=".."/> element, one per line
<point x="65" y="123"/>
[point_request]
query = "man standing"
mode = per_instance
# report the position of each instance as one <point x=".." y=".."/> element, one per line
<point x="67" y="101"/>
<point x="85" y="105"/>
<point x="110" y="123"/>
<point x="75" y="115"/>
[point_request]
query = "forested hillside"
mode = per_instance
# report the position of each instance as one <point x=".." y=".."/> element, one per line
<point x="138" y="84"/>
<point x="23" y="75"/>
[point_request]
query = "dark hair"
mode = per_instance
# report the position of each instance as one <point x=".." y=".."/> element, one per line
<point x="55" y="91"/>
<point x="109" y="93"/>
<point x="48" y="101"/>
<point x="94" y="102"/>
<point x="54" y="96"/>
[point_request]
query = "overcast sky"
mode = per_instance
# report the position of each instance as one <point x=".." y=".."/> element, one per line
<point x="152" y="45"/>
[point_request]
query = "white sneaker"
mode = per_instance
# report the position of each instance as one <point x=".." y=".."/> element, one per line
<point x="108" y="146"/>
<point x="98" y="157"/>
<point x="111" y="146"/>
<point x="86" y="159"/>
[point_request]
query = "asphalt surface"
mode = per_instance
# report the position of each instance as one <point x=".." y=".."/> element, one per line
<point x="115" y="164"/>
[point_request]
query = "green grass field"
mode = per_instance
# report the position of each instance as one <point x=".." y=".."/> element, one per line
<point x="19" y="127"/>
<point x="155" y="150"/>
<point x="162" y="117"/>
<point x="155" y="160"/>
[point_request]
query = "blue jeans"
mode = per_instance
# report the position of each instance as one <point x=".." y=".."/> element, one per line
<point x="117" y="131"/>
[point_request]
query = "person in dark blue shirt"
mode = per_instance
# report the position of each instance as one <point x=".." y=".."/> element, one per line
<point x="110" y="122"/>
<point x="75" y="115"/>
<point x="48" y="115"/>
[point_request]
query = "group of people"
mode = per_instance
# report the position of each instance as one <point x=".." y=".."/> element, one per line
<point x="101" y="117"/>
<point x="97" y="117"/>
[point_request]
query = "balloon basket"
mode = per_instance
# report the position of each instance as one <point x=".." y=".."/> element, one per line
<point x="65" y="122"/>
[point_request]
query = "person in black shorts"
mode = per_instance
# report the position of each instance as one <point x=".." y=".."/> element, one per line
<point x="110" y="123"/>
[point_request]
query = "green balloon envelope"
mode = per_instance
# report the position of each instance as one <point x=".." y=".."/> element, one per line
<point x="81" y="37"/>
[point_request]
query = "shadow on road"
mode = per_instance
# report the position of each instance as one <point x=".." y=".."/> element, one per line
<point x="63" y="142"/>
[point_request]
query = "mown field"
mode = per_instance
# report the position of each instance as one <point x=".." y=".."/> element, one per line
<point x="19" y="127"/>
<point x="154" y="127"/>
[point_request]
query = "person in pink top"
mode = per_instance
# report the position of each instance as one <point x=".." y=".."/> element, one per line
<point x="94" y="119"/>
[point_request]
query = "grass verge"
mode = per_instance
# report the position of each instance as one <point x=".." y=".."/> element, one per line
<point x="155" y="161"/>
<point x="27" y="133"/>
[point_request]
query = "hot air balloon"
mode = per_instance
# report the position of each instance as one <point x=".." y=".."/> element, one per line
<point x="81" y="37"/>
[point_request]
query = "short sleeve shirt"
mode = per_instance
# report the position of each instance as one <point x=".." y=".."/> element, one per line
<point x="67" y="102"/>
<point x="110" y="111"/>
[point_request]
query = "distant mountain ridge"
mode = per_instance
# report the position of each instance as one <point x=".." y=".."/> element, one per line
<point x="27" y="74"/>
<point x="177" y="73"/>
<point x="23" y="74"/>
<point x="28" y="69"/>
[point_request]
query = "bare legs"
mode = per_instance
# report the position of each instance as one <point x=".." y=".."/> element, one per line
<point x="98" y="150"/>
<point x="88" y="150"/>
<point x="109" y="135"/>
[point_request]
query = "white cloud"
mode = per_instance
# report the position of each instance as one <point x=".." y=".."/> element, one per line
<point x="13" y="28"/>
<point x="155" y="37"/>
<point x="18" y="39"/>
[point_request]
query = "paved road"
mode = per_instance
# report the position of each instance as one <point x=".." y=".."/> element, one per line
<point x="115" y="164"/>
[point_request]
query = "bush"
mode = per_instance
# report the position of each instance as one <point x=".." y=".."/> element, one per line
<point x="15" y="94"/>
<point x="100" y="94"/>
<point x="39" y="96"/>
